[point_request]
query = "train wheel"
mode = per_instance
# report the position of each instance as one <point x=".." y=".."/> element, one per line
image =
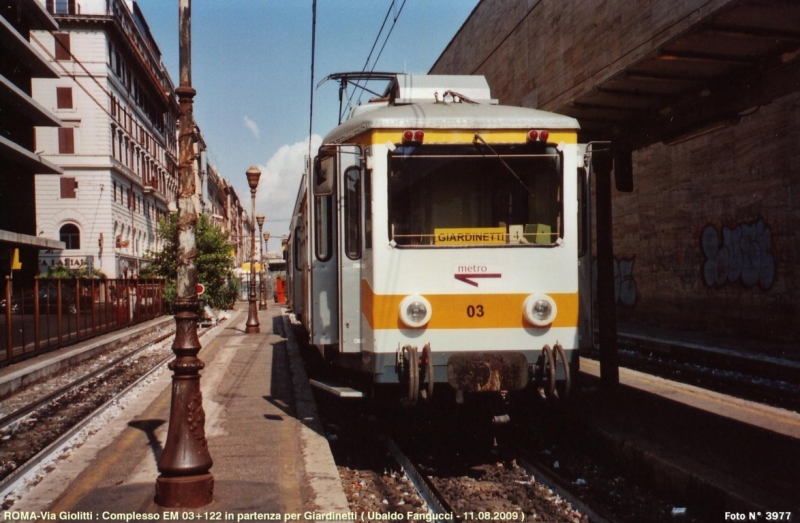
<point x="549" y="372"/>
<point x="426" y="362"/>
<point x="561" y="357"/>
<point x="411" y="374"/>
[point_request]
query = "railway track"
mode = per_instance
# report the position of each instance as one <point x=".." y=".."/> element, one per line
<point x="505" y="489"/>
<point x="39" y="419"/>
<point x="780" y="390"/>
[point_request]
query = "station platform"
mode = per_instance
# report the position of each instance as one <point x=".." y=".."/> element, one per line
<point x="270" y="453"/>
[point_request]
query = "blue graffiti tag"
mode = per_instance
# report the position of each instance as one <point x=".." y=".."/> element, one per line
<point x="744" y="255"/>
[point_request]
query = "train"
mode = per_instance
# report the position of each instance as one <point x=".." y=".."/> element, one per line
<point x="441" y="241"/>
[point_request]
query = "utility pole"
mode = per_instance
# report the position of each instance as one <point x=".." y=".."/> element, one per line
<point x="185" y="464"/>
<point x="606" y="306"/>
<point x="252" y="326"/>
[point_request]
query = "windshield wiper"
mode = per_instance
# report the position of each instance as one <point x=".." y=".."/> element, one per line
<point x="479" y="138"/>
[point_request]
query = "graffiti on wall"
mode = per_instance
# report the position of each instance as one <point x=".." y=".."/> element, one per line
<point x="624" y="283"/>
<point x="739" y="255"/>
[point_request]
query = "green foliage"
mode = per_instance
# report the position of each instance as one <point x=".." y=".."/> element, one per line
<point x="61" y="271"/>
<point x="214" y="260"/>
<point x="232" y="290"/>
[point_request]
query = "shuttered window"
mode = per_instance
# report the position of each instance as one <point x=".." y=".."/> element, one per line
<point x="66" y="140"/>
<point x="68" y="186"/>
<point x="64" y="97"/>
<point x="62" y="46"/>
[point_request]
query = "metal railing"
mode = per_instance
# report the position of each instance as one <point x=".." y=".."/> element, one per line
<point x="53" y="313"/>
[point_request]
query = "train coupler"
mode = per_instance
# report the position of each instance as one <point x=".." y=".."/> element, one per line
<point x="487" y="371"/>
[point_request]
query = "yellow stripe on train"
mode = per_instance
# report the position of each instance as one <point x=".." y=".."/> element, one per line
<point x="465" y="311"/>
<point x="463" y="136"/>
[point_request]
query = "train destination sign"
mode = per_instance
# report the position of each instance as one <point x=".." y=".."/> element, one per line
<point x="470" y="236"/>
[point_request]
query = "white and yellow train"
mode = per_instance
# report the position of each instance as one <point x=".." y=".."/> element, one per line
<point x="441" y="238"/>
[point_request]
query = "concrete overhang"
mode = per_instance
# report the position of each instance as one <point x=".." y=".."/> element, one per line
<point x="743" y="55"/>
<point x="16" y="238"/>
<point x="38" y="16"/>
<point x="15" y="45"/>
<point x="13" y="97"/>
<point x="30" y="161"/>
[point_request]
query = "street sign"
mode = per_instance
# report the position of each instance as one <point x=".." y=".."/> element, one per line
<point x="200" y="289"/>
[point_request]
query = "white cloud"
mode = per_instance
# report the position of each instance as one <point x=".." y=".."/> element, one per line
<point x="279" y="184"/>
<point x="250" y="124"/>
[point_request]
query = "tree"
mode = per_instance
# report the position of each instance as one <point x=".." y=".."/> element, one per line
<point x="214" y="260"/>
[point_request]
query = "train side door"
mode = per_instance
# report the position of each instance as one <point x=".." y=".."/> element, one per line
<point x="350" y="243"/>
<point x="324" y="313"/>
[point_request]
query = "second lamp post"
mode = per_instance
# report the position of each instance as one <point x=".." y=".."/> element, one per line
<point x="262" y="304"/>
<point x="253" y="327"/>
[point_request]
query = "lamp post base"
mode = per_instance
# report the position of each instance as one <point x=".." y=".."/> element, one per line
<point x="187" y="491"/>
<point x="252" y="326"/>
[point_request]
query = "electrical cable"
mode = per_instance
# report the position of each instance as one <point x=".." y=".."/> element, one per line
<point x="313" y="51"/>
<point x="383" y="46"/>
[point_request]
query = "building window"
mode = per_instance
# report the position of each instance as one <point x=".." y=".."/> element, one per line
<point x="70" y="235"/>
<point x="114" y="144"/>
<point x="61" y="7"/>
<point x="66" y="140"/>
<point x="62" y="46"/>
<point x="64" y="97"/>
<point x="68" y="186"/>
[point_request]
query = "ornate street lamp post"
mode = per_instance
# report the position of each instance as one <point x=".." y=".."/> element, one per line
<point x="185" y="463"/>
<point x="253" y="174"/>
<point x="262" y="304"/>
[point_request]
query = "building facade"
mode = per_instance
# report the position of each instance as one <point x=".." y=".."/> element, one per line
<point x="20" y="63"/>
<point x="118" y="143"/>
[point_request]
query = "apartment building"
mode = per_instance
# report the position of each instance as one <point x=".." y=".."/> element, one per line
<point x="117" y="145"/>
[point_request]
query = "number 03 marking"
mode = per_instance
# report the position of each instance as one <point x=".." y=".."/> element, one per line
<point x="475" y="311"/>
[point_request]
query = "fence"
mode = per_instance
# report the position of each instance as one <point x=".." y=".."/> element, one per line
<point x="53" y="313"/>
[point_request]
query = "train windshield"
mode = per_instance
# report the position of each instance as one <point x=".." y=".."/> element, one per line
<point x="446" y="195"/>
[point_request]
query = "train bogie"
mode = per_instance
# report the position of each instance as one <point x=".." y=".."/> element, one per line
<point x="440" y="238"/>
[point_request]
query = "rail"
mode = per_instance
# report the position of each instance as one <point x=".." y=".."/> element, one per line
<point x="53" y="313"/>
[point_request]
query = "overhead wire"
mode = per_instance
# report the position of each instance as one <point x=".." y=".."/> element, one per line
<point x="375" y="43"/>
<point x="313" y="52"/>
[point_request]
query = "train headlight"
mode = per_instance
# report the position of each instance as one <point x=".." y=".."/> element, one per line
<point x="415" y="311"/>
<point x="540" y="309"/>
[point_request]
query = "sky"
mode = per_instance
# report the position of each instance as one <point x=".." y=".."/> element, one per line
<point x="251" y="68"/>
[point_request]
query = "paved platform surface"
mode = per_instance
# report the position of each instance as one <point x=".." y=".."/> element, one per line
<point x="269" y="450"/>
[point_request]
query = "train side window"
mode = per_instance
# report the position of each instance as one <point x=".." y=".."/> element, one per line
<point x="296" y="249"/>
<point x="582" y="212"/>
<point x="323" y="221"/>
<point x="324" y="175"/>
<point x="352" y="212"/>
<point x="367" y="184"/>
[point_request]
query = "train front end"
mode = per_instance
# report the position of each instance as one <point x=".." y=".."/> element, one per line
<point x="473" y="276"/>
<point x="462" y="220"/>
